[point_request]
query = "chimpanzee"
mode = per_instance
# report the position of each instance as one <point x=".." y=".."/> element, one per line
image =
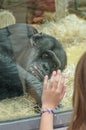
<point x="26" y="56"/>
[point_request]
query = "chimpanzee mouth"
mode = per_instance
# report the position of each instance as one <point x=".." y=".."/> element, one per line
<point x="38" y="71"/>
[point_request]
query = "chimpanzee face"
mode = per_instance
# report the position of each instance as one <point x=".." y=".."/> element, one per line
<point x="48" y="55"/>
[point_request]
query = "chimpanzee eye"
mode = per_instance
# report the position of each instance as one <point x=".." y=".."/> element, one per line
<point x="45" y="56"/>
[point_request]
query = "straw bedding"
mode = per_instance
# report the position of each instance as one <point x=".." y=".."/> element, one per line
<point x="71" y="32"/>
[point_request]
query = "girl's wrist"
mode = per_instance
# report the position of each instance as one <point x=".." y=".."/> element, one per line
<point x="46" y="110"/>
<point x="48" y="107"/>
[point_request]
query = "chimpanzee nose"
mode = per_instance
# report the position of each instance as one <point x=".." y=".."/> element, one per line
<point x="45" y="66"/>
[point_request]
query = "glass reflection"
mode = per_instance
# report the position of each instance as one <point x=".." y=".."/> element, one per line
<point x="41" y="15"/>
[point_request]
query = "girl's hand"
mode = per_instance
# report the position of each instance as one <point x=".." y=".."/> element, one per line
<point x="53" y="90"/>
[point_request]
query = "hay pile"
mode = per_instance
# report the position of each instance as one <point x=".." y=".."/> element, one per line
<point x="71" y="32"/>
<point x="73" y="55"/>
<point x="16" y="108"/>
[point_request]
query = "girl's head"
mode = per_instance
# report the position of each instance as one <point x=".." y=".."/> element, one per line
<point x="79" y="95"/>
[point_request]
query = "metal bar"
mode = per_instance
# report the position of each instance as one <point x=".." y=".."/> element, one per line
<point x="60" y="120"/>
<point x="75" y="4"/>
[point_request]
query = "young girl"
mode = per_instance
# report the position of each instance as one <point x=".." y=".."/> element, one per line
<point x="53" y="93"/>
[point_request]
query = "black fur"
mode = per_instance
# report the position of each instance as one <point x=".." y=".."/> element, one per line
<point x="26" y="56"/>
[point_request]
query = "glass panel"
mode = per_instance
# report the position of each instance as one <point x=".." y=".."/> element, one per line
<point x="22" y="66"/>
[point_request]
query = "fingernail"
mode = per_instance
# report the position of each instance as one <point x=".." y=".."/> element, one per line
<point x="46" y="76"/>
<point x="58" y="71"/>
<point x="54" y="72"/>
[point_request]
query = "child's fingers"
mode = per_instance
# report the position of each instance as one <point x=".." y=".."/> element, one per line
<point x="51" y="82"/>
<point x="56" y="79"/>
<point x="58" y="73"/>
<point x="45" y="83"/>
<point x="61" y="84"/>
<point x="62" y="81"/>
<point x="63" y="92"/>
